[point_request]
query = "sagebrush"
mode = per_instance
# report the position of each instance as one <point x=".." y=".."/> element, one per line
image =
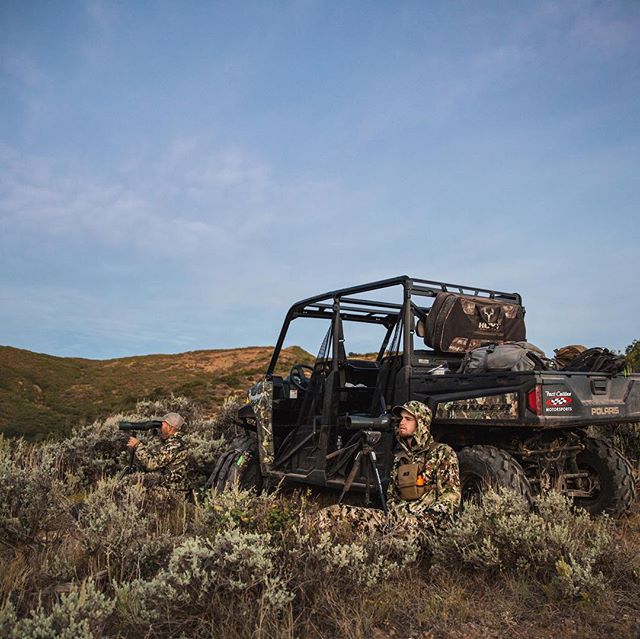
<point x="85" y="553"/>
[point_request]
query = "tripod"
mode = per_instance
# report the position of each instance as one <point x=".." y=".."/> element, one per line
<point x="366" y="455"/>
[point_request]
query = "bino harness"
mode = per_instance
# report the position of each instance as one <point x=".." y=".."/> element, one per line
<point x="411" y="482"/>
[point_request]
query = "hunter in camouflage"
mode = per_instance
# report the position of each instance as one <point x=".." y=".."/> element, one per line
<point x="169" y="460"/>
<point x="432" y="467"/>
<point x="424" y="491"/>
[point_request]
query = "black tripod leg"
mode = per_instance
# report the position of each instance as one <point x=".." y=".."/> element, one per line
<point x="383" y="500"/>
<point x="368" y="480"/>
<point x="352" y="476"/>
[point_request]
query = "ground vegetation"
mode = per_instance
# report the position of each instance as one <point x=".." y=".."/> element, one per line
<point x="87" y="553"/>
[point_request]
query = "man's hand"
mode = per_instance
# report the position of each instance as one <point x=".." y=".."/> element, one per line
<point x="133" y="442"/>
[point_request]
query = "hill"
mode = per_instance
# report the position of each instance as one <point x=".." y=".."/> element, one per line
<point x="43" y="395"/>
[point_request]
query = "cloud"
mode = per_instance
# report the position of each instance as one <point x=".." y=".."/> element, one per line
<point x="230" y="168"/>
<point x="44" y="197"/>
<point x="210" y="221"/>
<point x="581" y="28"/>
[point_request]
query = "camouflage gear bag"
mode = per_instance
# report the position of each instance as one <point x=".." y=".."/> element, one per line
<point x="597" y="360"/>
<point x="567" y="354"/>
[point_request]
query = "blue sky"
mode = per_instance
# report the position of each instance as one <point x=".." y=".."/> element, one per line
<point x="174" y="175"/>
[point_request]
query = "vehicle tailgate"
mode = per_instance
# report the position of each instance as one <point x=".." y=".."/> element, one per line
<point x="589" y="397"/>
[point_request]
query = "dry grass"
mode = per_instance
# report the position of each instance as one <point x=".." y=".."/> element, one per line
<point x="132" y="562"/>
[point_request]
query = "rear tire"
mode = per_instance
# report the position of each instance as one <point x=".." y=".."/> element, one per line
<point x="238" y="465"/>
<point x="485" y="467"/>
<point x="610" y="472"/>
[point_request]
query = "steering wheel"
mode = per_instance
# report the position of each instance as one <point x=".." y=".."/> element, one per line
<point x="297" y="376"/>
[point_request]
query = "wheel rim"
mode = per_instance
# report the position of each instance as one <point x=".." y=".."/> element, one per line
<point x="590" y="483"/>
<point x="472" y="488"/>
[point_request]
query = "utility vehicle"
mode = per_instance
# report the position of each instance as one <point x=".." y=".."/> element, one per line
<point x="524" y="430"/>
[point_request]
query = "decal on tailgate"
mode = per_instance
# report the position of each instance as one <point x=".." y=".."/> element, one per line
<point x="558" y="401"/>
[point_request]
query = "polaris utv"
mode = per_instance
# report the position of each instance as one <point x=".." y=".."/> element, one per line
<point x="520" y="429"/>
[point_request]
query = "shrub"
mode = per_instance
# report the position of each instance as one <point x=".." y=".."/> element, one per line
<point x="31" y="498"/>
<point x="94" y="451"/>
<point x="122" y="528"/>
<point x="356" y="563"/>
<point x="80" y="614"/>
<point x="209" y="583"/>
<point x="556" y="544"/>
<point x="632" y="353"/>
<point x="237" y="508"/>
<point x="203" y="449"/>
<point x="226" y="419"/>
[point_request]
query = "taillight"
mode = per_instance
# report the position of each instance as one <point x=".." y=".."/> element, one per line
<point x="534" y="399"/>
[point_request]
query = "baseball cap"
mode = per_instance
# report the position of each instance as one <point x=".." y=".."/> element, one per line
<point x="174" y="420"/>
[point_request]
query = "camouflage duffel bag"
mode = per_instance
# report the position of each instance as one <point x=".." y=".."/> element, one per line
<point x="457" y="323"/>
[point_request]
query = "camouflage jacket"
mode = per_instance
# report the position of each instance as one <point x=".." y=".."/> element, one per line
<point x="170" y="461"/>
<point x="438" y="468"/>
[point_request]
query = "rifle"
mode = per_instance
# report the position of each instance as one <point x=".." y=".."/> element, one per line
<point x="152" y="425"/>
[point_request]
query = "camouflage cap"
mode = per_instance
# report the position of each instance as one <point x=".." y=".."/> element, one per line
<point x="174" y="420"/>
<point x="416" y="408"/>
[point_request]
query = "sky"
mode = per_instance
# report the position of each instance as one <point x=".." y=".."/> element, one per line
<point x="174" y="175"/>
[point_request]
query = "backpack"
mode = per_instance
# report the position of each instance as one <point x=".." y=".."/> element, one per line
<point x="567" y="354"/>
<point x="512" y="356"/>
<point x="597" y="360"/>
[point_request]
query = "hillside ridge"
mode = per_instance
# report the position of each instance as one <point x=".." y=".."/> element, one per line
<point x="45" y="395"/>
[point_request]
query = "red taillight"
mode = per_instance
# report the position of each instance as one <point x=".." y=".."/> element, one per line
<point x="534" y="399"/>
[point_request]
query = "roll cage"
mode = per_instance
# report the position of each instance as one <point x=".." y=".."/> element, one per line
<point x="347" y="305"/>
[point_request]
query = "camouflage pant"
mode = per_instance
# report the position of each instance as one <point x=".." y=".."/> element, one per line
<point x="370" y="522"/>
<point x="157" y="487"/>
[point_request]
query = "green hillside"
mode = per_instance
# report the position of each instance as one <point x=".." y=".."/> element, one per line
<point x="42" y="395"/>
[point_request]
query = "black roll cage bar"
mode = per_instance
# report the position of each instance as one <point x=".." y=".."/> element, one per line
<point x="340" y="305"/>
